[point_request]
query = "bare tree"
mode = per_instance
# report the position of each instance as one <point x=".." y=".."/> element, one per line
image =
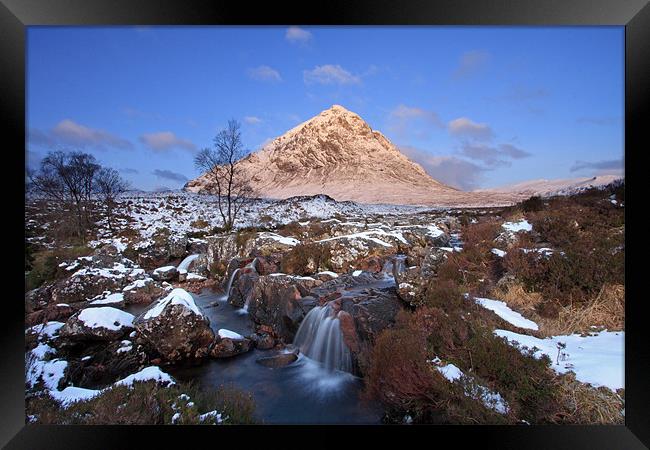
<point x="109" y="185"/>
<point x="231" y="186"/>
<point x="67" y="179"/>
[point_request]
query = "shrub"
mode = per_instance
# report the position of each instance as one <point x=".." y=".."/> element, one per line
<point x="147" y="403"/>
<point x="199" y="223"/>
<point x="45" y="264"/>
<point x="534" y="203"/>
<point x="306" y="259"/>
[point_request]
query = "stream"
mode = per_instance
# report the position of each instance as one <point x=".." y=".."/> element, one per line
<point x="303" y="392"/>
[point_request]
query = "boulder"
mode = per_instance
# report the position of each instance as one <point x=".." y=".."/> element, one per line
<point x="38" y="298"/>
<point x="433" y="258"/>
<point x="79" y="288"/>
<point x="166" y="273"/>
<point x="182" y="275"/>
<point x="243" y="286"/>
<point x="228" y="343"/>
<point x="97" y="324"/>
<point x="279" y="360"/>
<point x="177" y="246"/>
<point x="57" y="312"/>
<point x="143" y="291"/>
<point x="263" y="341"/>
<point x="410" y="286"/>
<point x="175" y="328"/>
<point x="371" y="264"/>
<point x="223" y="248"/>
<point x="276" y="301"/>
<point x="197" y="246"/>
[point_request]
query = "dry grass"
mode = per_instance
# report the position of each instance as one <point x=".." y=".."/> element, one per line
<point x="516" y="297"/>
<point x="584" y="404"/>
<point x="606" y="311"/>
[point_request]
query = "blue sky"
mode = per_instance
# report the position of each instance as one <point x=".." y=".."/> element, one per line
<point x="476" y="106"/>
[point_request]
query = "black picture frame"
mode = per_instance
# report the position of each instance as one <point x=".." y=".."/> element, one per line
<point x="634" y="15"/>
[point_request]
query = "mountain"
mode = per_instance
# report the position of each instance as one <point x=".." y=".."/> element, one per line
<point x="547" y="188"/>
<point x="337" y="153"/>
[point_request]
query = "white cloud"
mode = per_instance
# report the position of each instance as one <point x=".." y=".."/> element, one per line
<point x="252" y="120"/>
<point x="165" y="140"/>
<point x="464" y="127"/>
<point x="330" y="74"/>
<point x="453" y="171"/>
<point x="264" y="73"/>
<point x="409" y="120"/>
<point x="297" y="35"/>
<point x="69" y="132"/>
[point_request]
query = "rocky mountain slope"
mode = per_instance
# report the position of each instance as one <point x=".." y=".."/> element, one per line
<point x="337" y="153"/>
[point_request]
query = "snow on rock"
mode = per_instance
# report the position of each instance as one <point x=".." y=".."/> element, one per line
<point x="151" y="373"/>
<point x="499" y="253"/>
<point x="281" y="239"/>
<point x="176" y="297"/>
<point x="356" y="273"/>
<point x="597" y="359"/>
<point x="223" y="333"/>
<point x="47" y="330"/>
<point x="327" y="272"/>
<point x="73" y="394"/>
<point x="195" y="277"/>
<point x="502" y="310"/>
<point x="110" y="299"/>
<point x="53" y="372"/>
<point x="521" y="225"/>
<point x="106" y="317"/>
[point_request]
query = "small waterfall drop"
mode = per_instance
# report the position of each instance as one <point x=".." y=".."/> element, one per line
<point x="320" y="338"/>
<point x="185" y="264"/>
<point x="230" y="281"/>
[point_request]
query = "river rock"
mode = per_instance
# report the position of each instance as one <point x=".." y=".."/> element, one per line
<point x="228" y="344"/>
<point x="143" y="291"/>
<point x="175" y="328"/>
<point x="263" y="341"/>
<point x="166" y="273"/>
<point x="371" y="264"/>
<point x="410" y="286"/>
<point x="277" y="361"/>
<point x="58" y="312"/>
<point x="276" y="301"/>
<point x="177" y="246"/>
<point x="97" y="324"/>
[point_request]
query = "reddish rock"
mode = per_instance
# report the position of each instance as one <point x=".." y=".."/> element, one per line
<point x="349" y="331"/>
<point x="371" y="264"/>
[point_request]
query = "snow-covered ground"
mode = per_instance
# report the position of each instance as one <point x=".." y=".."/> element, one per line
<point x="598" y="359"/>
<point x="502" y="310"/>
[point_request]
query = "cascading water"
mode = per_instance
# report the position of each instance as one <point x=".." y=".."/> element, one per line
<point x="320" y="338"/>
<point x="229" y="285"/>
<point x="185" y="264"/>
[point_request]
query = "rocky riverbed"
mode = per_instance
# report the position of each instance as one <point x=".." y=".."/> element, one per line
<point x="287" y="308"/>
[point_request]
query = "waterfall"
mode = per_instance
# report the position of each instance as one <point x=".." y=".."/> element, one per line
<point x="185" y="264"/>
<point x="253" y="264"/>
<point x="229" y="285"/>
<point x="400" y="263"/>
<point x="319" y="338"/>
<point x="395" y="263"/>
